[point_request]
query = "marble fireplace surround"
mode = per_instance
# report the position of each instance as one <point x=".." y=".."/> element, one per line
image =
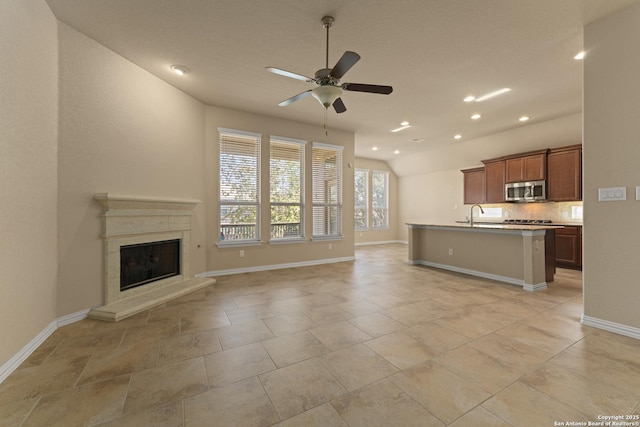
<point x="129" y="220"/>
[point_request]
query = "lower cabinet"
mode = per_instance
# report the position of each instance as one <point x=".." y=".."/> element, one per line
<point x="569" y="247"/>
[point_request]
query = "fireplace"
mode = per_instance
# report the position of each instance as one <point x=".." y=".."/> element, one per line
<point x="147" y="262"/>
<point x="147" y="253"/>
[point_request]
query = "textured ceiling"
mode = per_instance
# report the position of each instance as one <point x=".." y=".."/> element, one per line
<point x="433" y="52"/>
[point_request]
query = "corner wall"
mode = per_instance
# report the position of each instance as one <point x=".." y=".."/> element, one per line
<point x="124" y="131"/>
<point x="610" y="155"/>
<point x="28" y="183"/>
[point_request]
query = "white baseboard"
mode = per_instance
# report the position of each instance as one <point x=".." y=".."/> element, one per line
<point x="12" y="364"/>
<point x="272" y="267"/>
<point x="383" y="242"/>
<point x="606" y="325"/>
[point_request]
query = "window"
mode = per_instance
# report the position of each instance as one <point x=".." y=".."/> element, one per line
<point x="361" y="202"/>
<point x="286" y="181"/>
<point x="380" y="200"/>
<point x="327" y="191"/>
<point x="239" y="157"/>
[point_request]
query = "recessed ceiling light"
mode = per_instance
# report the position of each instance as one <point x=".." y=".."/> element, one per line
<point x="374" y="148"/>
<point x="493" y="94"/>
<point x="458" y="136"/>
<point x="580" y="55"/>
<point x="469" y="98"/>
<point x="396" y="152"/>
<point x="401" y="128"/>
<point x="180" y="70"/>
<point x="475" y="116"/>
<point x="405" y="123"/>
<point x="524" y="118"/>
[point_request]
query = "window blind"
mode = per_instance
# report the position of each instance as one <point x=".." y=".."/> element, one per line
<point x="327" y="190"/>
<point x="239" y="185"/>
<point x="286" y="183"/>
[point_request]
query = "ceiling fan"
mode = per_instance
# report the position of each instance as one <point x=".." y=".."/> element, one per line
<point x="329" y="89"/>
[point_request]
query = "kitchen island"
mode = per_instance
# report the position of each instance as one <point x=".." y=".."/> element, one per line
<point x="522" y="255"/>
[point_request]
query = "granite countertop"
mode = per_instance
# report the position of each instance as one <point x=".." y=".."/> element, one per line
<point x="490" y="225"/>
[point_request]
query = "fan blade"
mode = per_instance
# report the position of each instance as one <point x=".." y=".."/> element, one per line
<point x="295" y="98"/>
<point x="360" y="87"/>
<point x="344" y="64"/>
<point x="338" y="105"/>
<point x="289" y="74"/>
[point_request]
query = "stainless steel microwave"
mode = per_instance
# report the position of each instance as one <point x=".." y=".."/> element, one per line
<point x="531" y="191"/>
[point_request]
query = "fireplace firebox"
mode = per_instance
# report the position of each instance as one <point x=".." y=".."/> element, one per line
<point x="147" y="262"/>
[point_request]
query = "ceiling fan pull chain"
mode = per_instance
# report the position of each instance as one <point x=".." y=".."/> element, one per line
<point x="326" y="131"/>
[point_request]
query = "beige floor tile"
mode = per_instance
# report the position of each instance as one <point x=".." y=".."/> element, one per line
<point x="483" y="370"/>
<point x="87" y="405"/>
<point x="242" y="404"/>
<point x="297" y="388"/>
<point x="387" y="300"/>
<point x="49" y="377"/>
<point x="320" y="416"/>
<point x="188" y="346"/>
<point x="88" y="344"/>
<point x="165" y="415"/>
<point x="399" y="349"/>
<point x="443" y="393"/>
<point x="357" y="366"/>
<point x="203" y="321"/>
<point x="340" y="334"/>
<point x="133" y="357"/>
<point x="538" y="338"/>
<point x="288" y="323"/>
<point x="248" y="314"/>
<point x="327" y="314"/>
<point x="382" y="404"/>
<point x="511" y="351"/>
<point x="14" y="413"/>
<point x="237" y="364"/>
<point x="294" y="348"/>
<point x="521" y="405"/>
<point x="159" y="329"/>
<point x="358" y="307"/>
<point x="613" y="346"/>
<point x="436" y="339"/>
<point x="377" y="324"/>
<point x="165" y="384"/>
<point x="558" y="323"/>
<point x="479" y="417"/>
<point x="244" y="333"/>
<point x="411" y="316"/>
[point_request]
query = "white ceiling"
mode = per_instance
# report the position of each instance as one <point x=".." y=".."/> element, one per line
<point x="433" y="52"/>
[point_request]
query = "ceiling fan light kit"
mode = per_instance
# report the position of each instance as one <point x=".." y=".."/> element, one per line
<point x="328" y="89"/>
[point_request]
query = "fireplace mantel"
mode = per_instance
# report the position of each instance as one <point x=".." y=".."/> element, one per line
<point x="130" y="220"/>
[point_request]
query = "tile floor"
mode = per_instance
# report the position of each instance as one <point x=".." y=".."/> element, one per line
<point x="374" y="342"/>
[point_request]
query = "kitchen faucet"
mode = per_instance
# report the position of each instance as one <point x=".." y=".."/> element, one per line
<point x="471" y="217"/>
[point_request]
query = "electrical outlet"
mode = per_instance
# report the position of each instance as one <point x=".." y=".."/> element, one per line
<point x="450" y="251"/>
<point x="241" y="253"/>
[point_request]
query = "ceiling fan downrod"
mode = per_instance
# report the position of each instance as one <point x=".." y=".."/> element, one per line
<point x="327" y="22"/>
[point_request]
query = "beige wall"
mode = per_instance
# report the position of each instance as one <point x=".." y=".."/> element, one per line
<point x="28" y="184"/>
<point x="610" y="156"/>
<point x="122" y="130"/>
<point x="391" y="234"/>
<point x="266" y="254"/>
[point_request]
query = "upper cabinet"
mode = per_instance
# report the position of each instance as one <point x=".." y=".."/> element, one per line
<point x="494" y="180"/>
<point x="526" y="167"/>
<point x="473" y="186"/>
<point x="565" y="174"/>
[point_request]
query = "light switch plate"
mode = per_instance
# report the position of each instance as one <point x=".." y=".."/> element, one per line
<point x="638" y="193"/>
<point x="612" y="194"/>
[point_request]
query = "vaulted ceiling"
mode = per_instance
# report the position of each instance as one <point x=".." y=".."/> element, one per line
<point x="433" y="52"/>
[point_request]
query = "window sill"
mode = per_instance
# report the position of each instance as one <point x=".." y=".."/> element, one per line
<point x="287" y="241"/>
<point x="325" y="238"/>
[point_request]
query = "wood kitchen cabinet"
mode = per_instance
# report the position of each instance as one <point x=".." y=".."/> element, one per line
<point x="569" y="247"/>
<point x="494" y="180"/>
<point x="565" y="174"/>
<point x="529" y="167"/>
<point x="473" y="185"/>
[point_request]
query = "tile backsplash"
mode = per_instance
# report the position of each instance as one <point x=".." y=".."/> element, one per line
<point x="560" y="212"/>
